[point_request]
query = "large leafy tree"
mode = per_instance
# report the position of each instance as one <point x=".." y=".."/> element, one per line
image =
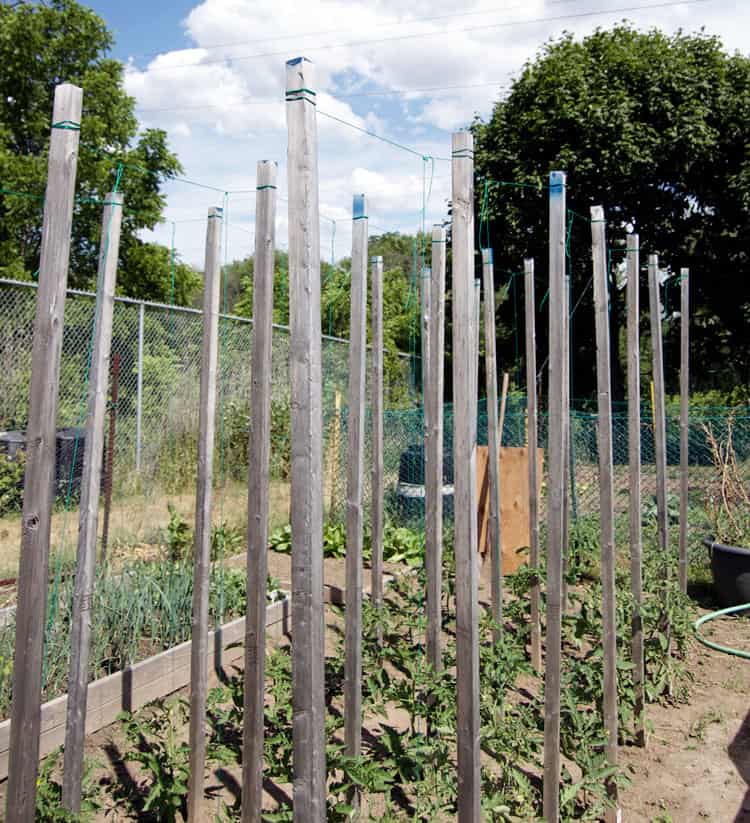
<point x="400" y="300"/>
<point x="41" y="45"/>
<point x="657" y="129"/>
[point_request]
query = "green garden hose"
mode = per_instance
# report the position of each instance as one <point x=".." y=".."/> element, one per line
<point x="717" y="646"/>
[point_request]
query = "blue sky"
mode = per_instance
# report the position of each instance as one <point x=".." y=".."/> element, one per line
<point x="212" y="74"/>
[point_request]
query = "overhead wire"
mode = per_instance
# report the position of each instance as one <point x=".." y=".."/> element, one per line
<point x="441" y="33"/>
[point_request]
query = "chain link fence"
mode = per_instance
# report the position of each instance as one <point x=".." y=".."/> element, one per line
<point x="155" y="455"/>
<point x="158" y="348"/>
<point x="709" y="428"/>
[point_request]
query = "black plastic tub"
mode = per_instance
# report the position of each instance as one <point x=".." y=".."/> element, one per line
<point x="730" y="566"/>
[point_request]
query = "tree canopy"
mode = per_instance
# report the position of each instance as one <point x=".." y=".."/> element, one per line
<point x="42" y="45"/>
<point x="400" y="300"/>
<point x="657" y="129"/>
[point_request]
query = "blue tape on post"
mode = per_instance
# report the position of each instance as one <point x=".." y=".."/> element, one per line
<point x="490" y="257"/>
<point x="556" y="183"/>
<point x="359" y="210"/>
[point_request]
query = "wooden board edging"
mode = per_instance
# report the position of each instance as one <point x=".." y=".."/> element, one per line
<point x="144" y="682"/>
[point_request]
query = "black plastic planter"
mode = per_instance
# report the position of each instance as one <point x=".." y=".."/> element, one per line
<point x="731" y="571"/>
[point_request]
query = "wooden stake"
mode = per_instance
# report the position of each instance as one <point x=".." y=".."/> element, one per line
<point x="490" y="366"/>
<point x="465" y="494"/>
<point x="424" y="287"/>
<point x="569" y="478"/>
<point x="305" y="360"/>
<point x="532" y="441"/>
<point x="684" y="420"/>
<point x="634" y="477"/>
<point x="558" y="345"/>
<point x="80" y="626"/>
<point x="111" y="445"/>
<point x="354" y="481"/>
<point x="376" y="268"/>
<point x="606" y="496"/>
<point x="660" y="425"/>
<point x="434" y="465"/>
<point x="40" y="455"/>
<point x="259" y="449"/>
<point x="203" y="506"/>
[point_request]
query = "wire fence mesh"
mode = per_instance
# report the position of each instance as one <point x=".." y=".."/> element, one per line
<point x="155" y="449"/>
<point x="157" y="422"/>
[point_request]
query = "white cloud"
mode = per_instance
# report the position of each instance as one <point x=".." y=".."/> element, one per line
<point x="221" y="100"/>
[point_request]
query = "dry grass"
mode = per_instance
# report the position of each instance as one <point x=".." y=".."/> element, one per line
<point x="140" y="521"/>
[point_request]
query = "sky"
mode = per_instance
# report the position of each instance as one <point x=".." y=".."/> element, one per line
<point x="211" y="74"/>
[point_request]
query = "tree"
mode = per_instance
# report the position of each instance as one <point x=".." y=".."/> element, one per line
<point x="655" y="128"/>
<point x="41" y="45"/>
<point x="400" y="300"/>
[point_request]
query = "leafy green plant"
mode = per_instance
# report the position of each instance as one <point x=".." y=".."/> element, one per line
<point x="280" y="539"/>
<point x="402" y="545"/>
<point x="156" y="745"/>
<point x="49" y="808"/>
<point x="11" y="483"/>
<point x="226" y="541"/>
<point x="179" y="536"/>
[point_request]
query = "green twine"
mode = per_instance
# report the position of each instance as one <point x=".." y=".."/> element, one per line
<point x="513" y="184"/>
<point x="27" y="194"/>
<point x="67" y="125"/>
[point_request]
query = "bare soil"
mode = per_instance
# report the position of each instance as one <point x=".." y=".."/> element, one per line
<point x="696" y="765"/>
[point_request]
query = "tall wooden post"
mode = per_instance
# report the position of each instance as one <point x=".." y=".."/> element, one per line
<point x="354" y="480"/>
<point x="376" y="269"/>
<point x="109" y="476"/>
<point x="203" y="506"/>
<point x="568" y="488"/>
<point x="532" y="442"/>
<point x="259" y="449"/>
<point x="434" y="466"/>
<point x="465" y="493"/>
<point x="80" y="626"/>
<point x="305" y="362"/>
<point x="490" y="366"/>
<point x="40" y="455"/>
<point x="660" y="424"/>
<point x="684" y="420"/>
<point x="634" y="480"/>
<point x="558" y="353"/>
<point x="606" y="495"/>
<point x="424" y="288"/>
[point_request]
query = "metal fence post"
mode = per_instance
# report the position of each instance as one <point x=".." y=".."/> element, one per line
<point x="139" y="390"/>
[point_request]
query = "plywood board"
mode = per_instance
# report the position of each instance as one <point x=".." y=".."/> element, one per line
<point x="514" y="502"/>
